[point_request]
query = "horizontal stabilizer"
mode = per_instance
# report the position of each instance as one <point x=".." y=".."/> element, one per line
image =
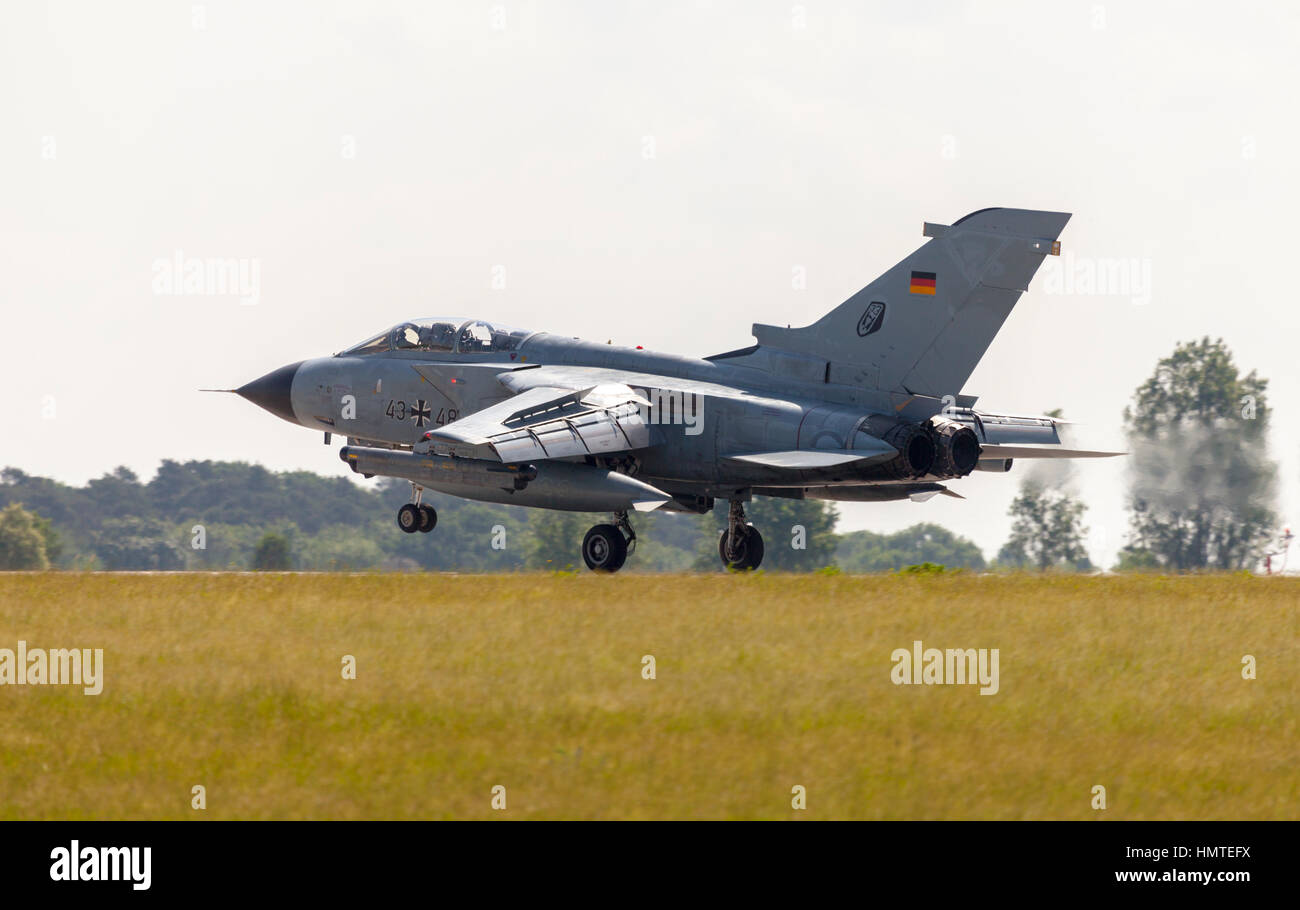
<point x="994" y="452"/>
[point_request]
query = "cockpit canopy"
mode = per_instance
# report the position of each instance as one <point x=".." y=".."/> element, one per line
<point x="444" y="335"/>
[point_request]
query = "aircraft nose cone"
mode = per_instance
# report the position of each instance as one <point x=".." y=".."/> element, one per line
<point x="272" y="391"/>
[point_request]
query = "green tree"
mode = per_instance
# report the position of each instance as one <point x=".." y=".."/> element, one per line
<point x="339" y="549"/>
<point x="272" y="554"/>
<point x="22" y="545"/>
<point x="470" y="536"/>
<point x="136" y="543"/>
<point x="671" y="541"/>
<point x="1047" y="532"/>
<point x="61" y="509"/>
<point x="53" y="543"/>
<point x="1202" y="480"/>
<point x="553" y="539"/>
<point x="118" y="494"/>
<point x="867" y="551"/>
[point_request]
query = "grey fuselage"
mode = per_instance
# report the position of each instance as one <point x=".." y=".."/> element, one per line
<point x="754" y="400"/>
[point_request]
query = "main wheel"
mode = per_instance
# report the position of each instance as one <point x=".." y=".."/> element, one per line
<point x="604" y="549"/>
<point x="428" y="518"/>
<point x="747" y="554"/>
<point x="409" y="518"/>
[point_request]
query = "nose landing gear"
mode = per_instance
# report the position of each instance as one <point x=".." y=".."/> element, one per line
<point x="415" y="515"/>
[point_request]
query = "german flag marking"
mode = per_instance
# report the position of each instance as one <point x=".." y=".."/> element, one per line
<point x="922" y="283"/>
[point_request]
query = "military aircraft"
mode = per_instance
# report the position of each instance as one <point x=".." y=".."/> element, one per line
<point x="863" y="405"/>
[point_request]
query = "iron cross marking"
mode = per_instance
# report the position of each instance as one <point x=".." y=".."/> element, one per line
<point x="420" y="412"/>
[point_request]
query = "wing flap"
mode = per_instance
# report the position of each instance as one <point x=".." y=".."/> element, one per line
<point x="549" y="423"/>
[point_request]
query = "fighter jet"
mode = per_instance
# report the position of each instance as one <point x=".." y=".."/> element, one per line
<point x="864" y="405"/>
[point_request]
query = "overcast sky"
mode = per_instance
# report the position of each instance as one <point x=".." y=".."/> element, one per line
<point x="650" y="173"/>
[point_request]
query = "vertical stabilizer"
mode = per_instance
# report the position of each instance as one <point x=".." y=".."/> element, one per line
<point x="923" y="325"/>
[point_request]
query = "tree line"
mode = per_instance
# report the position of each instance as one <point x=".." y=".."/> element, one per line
<point x="206" y="515"/>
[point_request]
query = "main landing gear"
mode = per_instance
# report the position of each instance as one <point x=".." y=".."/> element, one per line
<point x="740" y="546"/>
<point x="415" y="515"/>
<point x="607" y="547"/>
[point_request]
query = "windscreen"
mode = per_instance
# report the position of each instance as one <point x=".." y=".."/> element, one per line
<point x="443" y="335"/>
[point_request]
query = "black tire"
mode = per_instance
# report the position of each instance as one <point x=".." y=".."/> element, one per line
<point x="428" y="518"/>
<point x="409" y="518"/>
<point x="604" y="549"/>
<point x="749" y="550"/>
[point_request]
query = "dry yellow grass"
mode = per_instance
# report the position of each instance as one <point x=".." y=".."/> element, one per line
<point x="534" y="682"/>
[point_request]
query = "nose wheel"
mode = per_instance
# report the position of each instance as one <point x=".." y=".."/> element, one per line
<point x="607" y="547"/>
<point x="415" y="515"/>
<point x="740" y="546"/>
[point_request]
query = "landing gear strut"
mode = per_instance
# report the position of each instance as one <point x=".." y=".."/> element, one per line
<point x="740" y="545"/>
<point x="607" y="547"/>
<point x="416" y="516"/>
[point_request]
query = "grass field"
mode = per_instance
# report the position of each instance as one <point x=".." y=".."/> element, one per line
<point x="534" y="682"/>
